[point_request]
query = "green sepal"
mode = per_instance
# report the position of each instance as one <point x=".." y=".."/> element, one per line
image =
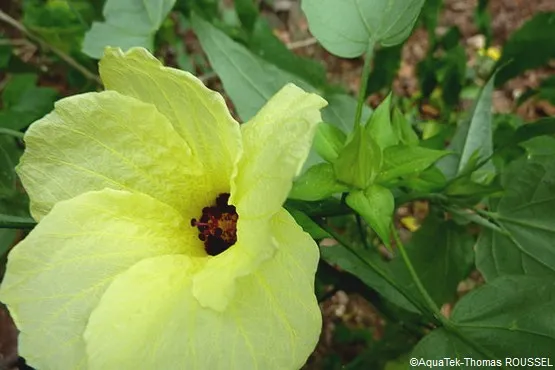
<point x="379" y="125"/>
<point x="402" y="128"/>
<point x="375" y="204"/>
<point x="328" y="141"/>
<point x="360" y="161"/>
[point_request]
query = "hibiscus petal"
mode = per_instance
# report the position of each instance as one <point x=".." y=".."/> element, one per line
<point x="197" y="113"/>
<point x="276" y="143"/>
<point x="57" y="274"/>
<point x="148" y="319"/>
<point x="107" y="140"/>
<point x="214" y="285"/>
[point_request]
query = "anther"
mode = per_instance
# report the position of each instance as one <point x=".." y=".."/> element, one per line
<point x="217" y="226"/>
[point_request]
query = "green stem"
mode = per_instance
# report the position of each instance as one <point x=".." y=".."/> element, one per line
<point x="16" y="222"/>
<point x="429" y="301"/>
<point x="364" y="81"/>
<point x="361" y="232"/>
<point x="432" y="306"/>
<point x="377" y="270"/>
<point x="11" y="132"/>
<point x="486" y="214"/>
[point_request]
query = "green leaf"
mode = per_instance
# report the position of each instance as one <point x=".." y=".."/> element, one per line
<point x="16" y="222"/>
<point x="404" y="160"/>
<point x="528" y="47"/>
<point x="308" y="225"/>
<point x="429" y="16"/>
<point x="375" y="204"/>
<point x="482" y="18"/>
<point x="473" y="139"/>
<point x="379" y="125"/>
<point x="442" y="255"/>
<point x="7" y="240"/>
<point x="526" y="215"/>
<point x="497" y="255"/>
<point x="16" y="86"/>
<point x="60" y="23"/>
<point x="329" y="141"/>
<point x="322" y="208"/>
<point x="453" y="75"/>
<point x="247" y="12"/>
<point x="360" y="161"/>
<point x="5" y="54"/>
<point x="543" y="126"/>
<point x="402" y="128"/>
<point x="267" y="46"/>
<point x="182" y="58"/>
<point x="127" y="23"/>
<point x="546" y="90"/>
<point x="9" y="156"/>
<point x="349" y="27"/>
<point x="541" y="146"/>
<point x="24" y="102"/>
<point x="248" y="80"/>
<point x="354" y="263"/>
<point x="510" y="317"/>
<point x="317" y="183"/>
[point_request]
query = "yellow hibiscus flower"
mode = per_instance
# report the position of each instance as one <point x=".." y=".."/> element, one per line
<point x="162" y="242"/>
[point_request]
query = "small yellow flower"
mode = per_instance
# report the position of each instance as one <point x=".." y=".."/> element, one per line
<point x="410" y="222"/>
<point x="162" y="242"/>
<point x="492" y="52"/>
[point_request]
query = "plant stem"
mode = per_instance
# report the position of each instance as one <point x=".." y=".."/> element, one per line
<point x="429" y="301"/>
<point x="486" y="214"/>
<point x="361" y="232"/>
<point x="62" y="55"/>
<point x="14" y="133"/>
<point x="364" y="81"/>
<point x="432" y="306"/>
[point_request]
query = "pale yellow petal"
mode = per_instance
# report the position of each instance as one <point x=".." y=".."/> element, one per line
<point x="276" y="143"/>
<point x="197" y="113"/>
<point x="107" y="140"/>
<point x="214" y="285"/>
<point x="148" y="319"/>
<point x="56" y="276"/>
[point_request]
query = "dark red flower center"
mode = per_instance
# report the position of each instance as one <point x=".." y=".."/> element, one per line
<point x="217" y="226"/>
